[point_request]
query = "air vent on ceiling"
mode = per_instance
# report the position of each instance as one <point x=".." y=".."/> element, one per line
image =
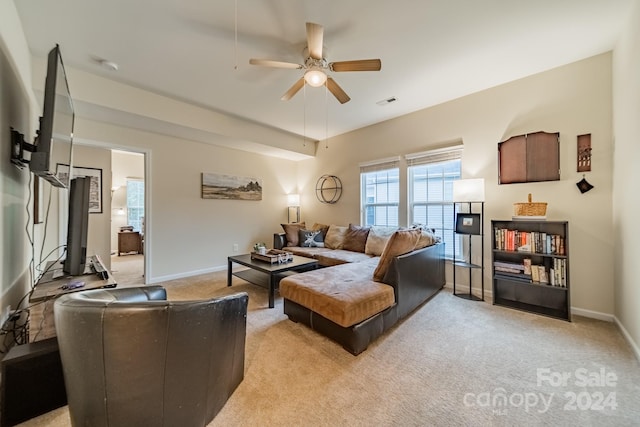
<point x="387" y="101"/>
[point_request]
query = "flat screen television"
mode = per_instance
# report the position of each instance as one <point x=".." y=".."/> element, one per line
<point x="77" y="226"/>
<point x="54" y="138"/>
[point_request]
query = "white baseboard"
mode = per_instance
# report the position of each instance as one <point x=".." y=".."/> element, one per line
<point x="488" y="293"/>
<point x="592" y="314"/>
<point x="186" y="274"/>
<point x="627" y="336"/>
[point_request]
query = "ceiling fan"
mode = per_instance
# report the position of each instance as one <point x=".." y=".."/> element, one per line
<point x="316" y="66"/>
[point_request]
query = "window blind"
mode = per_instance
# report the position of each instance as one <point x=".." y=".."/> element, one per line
<point x="435" y="156"/>
<point x="380" y="165"/>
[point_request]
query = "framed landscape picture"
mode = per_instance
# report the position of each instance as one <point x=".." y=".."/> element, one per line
<point x="95" y="196"/>
<point x="230" y="187"/>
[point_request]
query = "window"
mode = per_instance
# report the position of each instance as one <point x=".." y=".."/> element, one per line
<point x="430" y="179"/>
<point x="135" y="203"/>
<point x="380" y="192"/>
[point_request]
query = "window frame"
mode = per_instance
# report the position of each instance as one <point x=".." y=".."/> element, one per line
<point x="393" y="207"/>
<point x="446" y="205"/>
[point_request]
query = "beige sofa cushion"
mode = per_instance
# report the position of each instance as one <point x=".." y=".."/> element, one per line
<point x="335" y="236"/>
<point x="400" y="242"/>
<point x="344" y="294"/>
<point x="377" y="239"/>
<point x="306" y="252"/>
<point x="331" y="257"/>
<point x="291" y="232"/>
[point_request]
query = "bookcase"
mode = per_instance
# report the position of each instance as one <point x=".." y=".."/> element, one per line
<point x="530" y="266"/>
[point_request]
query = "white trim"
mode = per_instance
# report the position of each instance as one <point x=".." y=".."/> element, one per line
<point x="186" y="274"/>
<point x="592" y="314"/>
<point x="627" y="336"/>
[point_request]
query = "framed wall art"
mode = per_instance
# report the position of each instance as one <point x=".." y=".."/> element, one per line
<point x="468" y="223"/>
<point x="230" y="187"/>
<point x="95" y="195"/>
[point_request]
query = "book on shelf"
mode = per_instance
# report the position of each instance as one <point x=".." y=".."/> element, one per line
<point x="527" y="265"/>
<point x="535" y="273"/>
<point x="514" y="276"/>
<point x="542" y="273"/>
<point x="528" y="241"/>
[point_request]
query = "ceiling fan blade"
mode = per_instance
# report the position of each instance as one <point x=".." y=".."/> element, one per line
<point x="314" y="40"/>
<point x="337" y="91"/>
<point x="274" y="64"/>
<point x="358" y="65"/>
<point x="293" y="90"/>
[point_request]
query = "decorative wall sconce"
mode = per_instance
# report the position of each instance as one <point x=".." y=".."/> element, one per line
<point x="114" y="189"/>
<point x="293" y="208"/>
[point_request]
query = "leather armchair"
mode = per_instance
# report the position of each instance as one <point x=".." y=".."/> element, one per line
<point x="131" y="358"/>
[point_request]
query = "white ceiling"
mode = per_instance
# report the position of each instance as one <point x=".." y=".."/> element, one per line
<point x="432" y="51"/>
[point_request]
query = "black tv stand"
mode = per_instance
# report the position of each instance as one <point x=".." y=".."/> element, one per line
<point x="32" y="381"/>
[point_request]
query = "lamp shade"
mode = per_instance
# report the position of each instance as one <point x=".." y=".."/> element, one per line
<point x="468" y="190"/>
<point x="315" y="78"/>
<point x="293" y="200"/>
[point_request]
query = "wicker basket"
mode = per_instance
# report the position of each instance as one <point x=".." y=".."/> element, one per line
<point x="530" y="208"/>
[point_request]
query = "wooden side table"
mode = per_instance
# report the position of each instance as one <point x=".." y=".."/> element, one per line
<point x="129" y="241"/>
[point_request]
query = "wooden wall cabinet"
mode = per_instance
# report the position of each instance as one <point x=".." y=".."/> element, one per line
<point x="529" y="158"/>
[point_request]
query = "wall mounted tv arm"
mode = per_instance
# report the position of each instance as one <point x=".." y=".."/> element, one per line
<point x="18" y="148"/>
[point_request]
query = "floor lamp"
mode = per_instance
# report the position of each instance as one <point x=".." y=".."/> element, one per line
<point x="466" y="193"/>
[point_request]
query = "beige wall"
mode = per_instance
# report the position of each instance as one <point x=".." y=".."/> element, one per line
<point x="626" y="203"/>
<point x="573" y="100"/>
<point x="15" y="111"/>
<point x="98" y="238"/>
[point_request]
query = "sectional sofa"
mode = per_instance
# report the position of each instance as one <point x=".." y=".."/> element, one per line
<point x="370" y="278"/>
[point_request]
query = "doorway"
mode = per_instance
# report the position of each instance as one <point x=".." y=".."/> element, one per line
<point x="127" y="235"/>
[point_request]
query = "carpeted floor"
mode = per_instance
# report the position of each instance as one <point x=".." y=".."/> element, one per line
<point x="453" y="362"/>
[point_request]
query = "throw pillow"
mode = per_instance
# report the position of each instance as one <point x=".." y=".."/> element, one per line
<point x="427" y="238"/>
<point x="355" y="238"/>
<point x="377" y="239"/>
<point x="311" y="238"/>
<point x="322" y="227"/>
<point x="291" y="232"/>
<point x="400" y="243"/>
<point x="334" y="238"/>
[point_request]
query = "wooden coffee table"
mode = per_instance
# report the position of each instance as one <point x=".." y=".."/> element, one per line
<point x="264" y="274"/>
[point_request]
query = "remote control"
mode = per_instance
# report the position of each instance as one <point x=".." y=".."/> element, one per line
<point x="73" y="285"/>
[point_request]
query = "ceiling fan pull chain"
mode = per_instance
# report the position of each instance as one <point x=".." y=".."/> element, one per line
<point x="326" y="104"/>
<point x="304" y="116"/>
<point x="235" y="47"/>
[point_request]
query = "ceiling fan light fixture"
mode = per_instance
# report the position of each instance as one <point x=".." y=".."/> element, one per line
<point x="315" y="78"/>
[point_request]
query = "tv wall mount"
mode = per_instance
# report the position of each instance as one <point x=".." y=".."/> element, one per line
<point x="18" y="148"/>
